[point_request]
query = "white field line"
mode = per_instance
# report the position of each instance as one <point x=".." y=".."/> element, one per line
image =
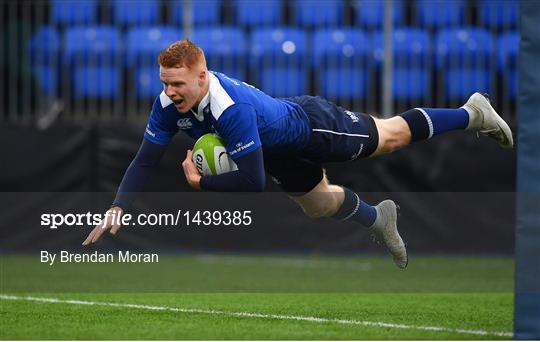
<point x="259" y="315"/>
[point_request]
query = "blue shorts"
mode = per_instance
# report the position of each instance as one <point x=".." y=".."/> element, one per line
<point x="337" y="135"/>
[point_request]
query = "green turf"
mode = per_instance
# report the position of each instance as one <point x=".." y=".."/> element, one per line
<point x="260" y="273"/>
<point x="470" y="293"/>
<point x="30" y="320"/>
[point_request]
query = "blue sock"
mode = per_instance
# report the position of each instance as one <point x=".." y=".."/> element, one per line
<point x="353" y="208"/>
<point x="425" y="123"/>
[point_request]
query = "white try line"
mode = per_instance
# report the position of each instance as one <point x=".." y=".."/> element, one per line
<point x="259" y="315"/>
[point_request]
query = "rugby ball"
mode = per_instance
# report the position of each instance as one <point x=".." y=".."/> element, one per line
<point x="211" y="157"/>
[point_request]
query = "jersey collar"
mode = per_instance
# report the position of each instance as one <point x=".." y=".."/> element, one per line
<point x="203" y="104"/>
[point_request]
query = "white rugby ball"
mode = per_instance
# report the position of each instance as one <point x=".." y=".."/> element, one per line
<point x="211" y="157"/>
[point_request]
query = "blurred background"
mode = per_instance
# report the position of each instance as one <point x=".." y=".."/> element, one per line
<point x="79" y="78"/>
<point x="98" y="57"/>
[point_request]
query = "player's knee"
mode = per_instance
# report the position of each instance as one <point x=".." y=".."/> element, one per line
<point x="394" y="134"/>
<point x="386" y="147"/>
<point x="322" y="205"/>
<point x="321" y="201"/>
<point x="394" y="145"/>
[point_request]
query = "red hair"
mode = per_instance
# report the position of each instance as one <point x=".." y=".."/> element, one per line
<point x="183" y="53"/>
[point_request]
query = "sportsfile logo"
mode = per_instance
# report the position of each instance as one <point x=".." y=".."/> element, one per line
<point x="180" y="218"/>
<point x="184" y="123"/>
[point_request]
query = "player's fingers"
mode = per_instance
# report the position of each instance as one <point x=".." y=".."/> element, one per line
<point x="188" y="160"/>
<point x="88" y="239"/>
<point x="115" y="228"/>
<point x="99" y="231"/>
<point x="91" y="236"/>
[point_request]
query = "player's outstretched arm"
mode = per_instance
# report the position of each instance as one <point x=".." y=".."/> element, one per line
<point x="134" y="179"/>
<point x="111" y="220"/>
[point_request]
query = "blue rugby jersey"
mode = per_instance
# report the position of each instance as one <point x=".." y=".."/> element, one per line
<point x="245" y="117"/>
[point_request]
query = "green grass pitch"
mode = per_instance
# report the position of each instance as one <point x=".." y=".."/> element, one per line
<point x="259" y="297"/>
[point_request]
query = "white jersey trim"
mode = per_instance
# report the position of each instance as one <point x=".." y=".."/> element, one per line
<point x="199" y="113"/>
<point x="429" y="122"/>
<point x="220" y="100"/>
<point x="164" y="99"/>
<point x="340" y="133"/>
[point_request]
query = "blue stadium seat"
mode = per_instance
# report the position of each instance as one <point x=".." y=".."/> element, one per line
<point x="92" y="56"/>
<point x="44" y="46"/>
<point x="135" y="12"/>
<point x="411" y="72"/>
<point x="73" y="12"/>
<point x="435" y="14"/>
<point x="256" y="13"/>
<point x="370" y="13"/>
<point x="507" y="48"/>
<point x="224" y="49"/>
<point x="203" y="12"/>
<point x="96" y="82"/>
<point x="343" y="83"/>
<point x="498" y="14"/>
<point x="411" y="47"/>
<point x="44" y="55"/>
<point x="341" y="61"/>
<point x="143" y="45"/>
<point x="313" y="13"/>
<point x="464" y="60"/>
<point x="462" y="83"/>
<point x="468" y="46"/>
<point x="411" y="84"/>
<point x="282" y="82"/>
<point x="278" y="61"/>
<point x="96" y="45"/>
<point x="147" y="83"/>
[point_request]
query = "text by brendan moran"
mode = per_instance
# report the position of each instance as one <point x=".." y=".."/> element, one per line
<point x="95" y="257"/>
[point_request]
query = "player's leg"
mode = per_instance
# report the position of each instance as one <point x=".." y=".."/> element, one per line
<point x="324" y="200"/>
<point x="424" y="123"/>
<point x="329" y="200"/>
<point x="307" y="184"/>
<point x="394" y="134"/>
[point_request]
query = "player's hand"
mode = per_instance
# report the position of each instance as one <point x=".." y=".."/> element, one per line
<point x="110" y="221"/>
<point x="193" y="176"/>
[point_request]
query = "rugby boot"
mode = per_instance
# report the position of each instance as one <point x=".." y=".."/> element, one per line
<point x="386" y="232"/>
<point x="484" y="119"/>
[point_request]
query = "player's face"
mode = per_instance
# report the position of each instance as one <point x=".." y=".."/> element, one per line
<point x="185" y="87"/>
